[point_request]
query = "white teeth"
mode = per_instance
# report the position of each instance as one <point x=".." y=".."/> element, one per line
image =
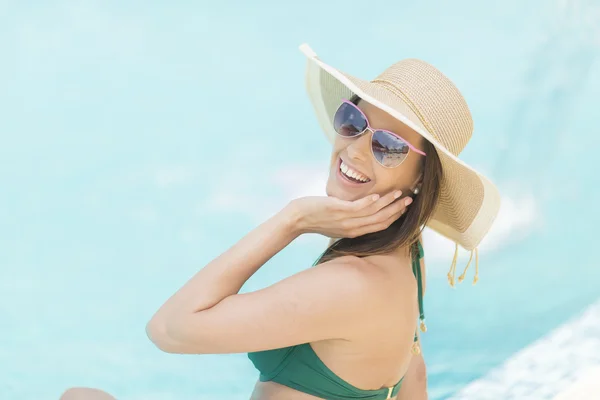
<point x="351" y="173"/>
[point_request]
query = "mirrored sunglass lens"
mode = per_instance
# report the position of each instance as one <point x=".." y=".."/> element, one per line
<point x="389" y="149"/>
<point x="348" y="121"/>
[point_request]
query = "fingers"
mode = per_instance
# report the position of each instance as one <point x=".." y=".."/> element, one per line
<point x="393" y="210"/>
<point x="372" y="207"/>
<point x="385" y="201"/>
<point x="378" y="221"/>
<point x="358" y="205"/>
<point x="371" y="204"/>
<point x="378" y="225"/>
<point x="365" y="202"/>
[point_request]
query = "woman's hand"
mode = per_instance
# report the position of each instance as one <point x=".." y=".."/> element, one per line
<point x="337" y="218"/>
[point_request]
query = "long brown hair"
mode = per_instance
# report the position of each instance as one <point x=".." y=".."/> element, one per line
<point x="405" y="230"/>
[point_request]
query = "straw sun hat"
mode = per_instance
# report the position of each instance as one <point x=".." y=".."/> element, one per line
<point x="423" y="98"/>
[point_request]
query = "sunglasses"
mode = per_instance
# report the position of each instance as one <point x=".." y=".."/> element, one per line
<point x="388" y="148"/>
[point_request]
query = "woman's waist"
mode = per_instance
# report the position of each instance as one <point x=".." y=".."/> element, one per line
<point x="274" y="391"/>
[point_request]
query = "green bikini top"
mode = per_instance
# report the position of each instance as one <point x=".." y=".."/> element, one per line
<point x="300" y="368"/>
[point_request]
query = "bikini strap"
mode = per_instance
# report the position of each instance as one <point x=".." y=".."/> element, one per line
<point x="417" y="254"/>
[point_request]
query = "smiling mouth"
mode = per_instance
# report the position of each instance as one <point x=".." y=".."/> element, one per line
<point x="351" y="174"/>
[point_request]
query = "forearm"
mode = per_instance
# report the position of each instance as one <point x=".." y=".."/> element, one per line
<point x="226" y="274"/>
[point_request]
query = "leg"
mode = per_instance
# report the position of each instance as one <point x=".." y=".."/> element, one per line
<point x="85" y="394"/>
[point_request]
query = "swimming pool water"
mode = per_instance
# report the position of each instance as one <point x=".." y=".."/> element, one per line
<point x="141" y="140"/>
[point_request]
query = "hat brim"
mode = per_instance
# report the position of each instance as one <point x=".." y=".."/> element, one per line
<point x="469" y="202"/>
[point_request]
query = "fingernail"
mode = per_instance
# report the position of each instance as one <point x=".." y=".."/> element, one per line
<point x="408" y="201"/>
<point x="398" y="194"/>
<point x="375" y="197"/>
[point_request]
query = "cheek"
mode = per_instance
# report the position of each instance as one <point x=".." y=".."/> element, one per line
<point x="388" y="180"/>
<point x="334" y="157"/>
<point x="338" y="146"/>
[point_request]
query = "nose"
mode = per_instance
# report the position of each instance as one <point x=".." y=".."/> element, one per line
<point x="359" y="148"/>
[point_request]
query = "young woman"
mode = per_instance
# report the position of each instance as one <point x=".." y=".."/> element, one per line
<point x="346" y="328"/>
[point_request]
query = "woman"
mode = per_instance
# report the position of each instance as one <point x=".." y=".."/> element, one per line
<point x="347" y="327"/>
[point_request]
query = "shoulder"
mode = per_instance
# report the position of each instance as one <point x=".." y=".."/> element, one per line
<point x="380" y="281"/>
<point x="345" y="286"/>
<point x="348" y="285"/>
<point x="394" y="273"/>
<point x="328" y="301"/>
<point x="358" y="275"/>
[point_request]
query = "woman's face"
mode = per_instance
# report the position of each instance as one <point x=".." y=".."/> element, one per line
<point x="356" y="154"/>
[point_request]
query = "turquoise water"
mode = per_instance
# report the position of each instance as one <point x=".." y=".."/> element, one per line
<point x="116" y="186"/>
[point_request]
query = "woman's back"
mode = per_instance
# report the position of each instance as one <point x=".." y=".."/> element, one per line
<point x="373" y="357"/>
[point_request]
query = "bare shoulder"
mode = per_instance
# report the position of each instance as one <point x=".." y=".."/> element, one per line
<point x="331" y="300"/>
<point x="367" y="278"/>
<point x="351" y="270"/>
<point x="394" y="269"/>
<point x="381" y="279"/>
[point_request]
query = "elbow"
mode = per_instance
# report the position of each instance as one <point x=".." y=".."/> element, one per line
<point x="157" y="333"/>
<point x="169" y="335"/>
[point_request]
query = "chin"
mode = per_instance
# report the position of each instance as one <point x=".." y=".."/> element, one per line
<point x="331" y="191"/>
<point x="340" y="186"/>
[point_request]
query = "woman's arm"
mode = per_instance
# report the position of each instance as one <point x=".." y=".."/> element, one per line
<point x="207" y="315"/>
<point x="222" y="277"/>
